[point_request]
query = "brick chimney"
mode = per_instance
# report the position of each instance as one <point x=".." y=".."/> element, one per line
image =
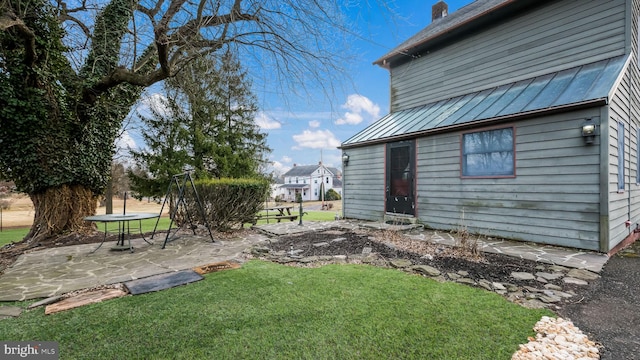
<point x="439" y="10"/>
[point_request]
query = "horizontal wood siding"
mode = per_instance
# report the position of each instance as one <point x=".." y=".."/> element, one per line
<point x="553" y="199"/>
<point x="619" y="201"/>
<point x="634" y="76"/>
<point x="561" y="35"/>
<point x="363" y="183"/>
<point x="624" y="108"/>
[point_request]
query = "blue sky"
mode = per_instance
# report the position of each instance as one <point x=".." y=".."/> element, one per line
<point x="301" y="132"/>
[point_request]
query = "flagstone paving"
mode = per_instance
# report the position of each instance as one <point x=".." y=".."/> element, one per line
<point x="55" y="271"/>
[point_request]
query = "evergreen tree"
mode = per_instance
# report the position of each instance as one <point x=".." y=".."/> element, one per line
<point x="242" y="148"/>
<point x="209" y="128"/>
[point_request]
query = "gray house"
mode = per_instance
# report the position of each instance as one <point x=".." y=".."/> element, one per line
<point x="516" y="118"/>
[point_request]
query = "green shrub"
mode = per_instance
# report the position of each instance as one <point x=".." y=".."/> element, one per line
<point x="332" y="195"/>
<point x="228" y="203"/>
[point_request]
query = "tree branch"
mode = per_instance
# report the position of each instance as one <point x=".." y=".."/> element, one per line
<point x="66" y="17"/>
<point x="8" y="20"/>
<point x="119" y="76"/>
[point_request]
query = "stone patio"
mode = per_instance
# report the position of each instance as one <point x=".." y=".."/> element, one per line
<point x="51" y="272"/>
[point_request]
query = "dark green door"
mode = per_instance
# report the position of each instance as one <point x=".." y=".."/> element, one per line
<point x="400" y="177"/>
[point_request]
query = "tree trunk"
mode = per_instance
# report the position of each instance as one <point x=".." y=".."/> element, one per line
<point x="60" y="211"/>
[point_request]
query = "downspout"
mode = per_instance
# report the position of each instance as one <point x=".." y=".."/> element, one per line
<point x="604" y="179"/>
<point x="629" y="157"/>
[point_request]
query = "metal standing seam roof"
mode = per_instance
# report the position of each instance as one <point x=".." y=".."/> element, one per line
<point x="555" y="90"/>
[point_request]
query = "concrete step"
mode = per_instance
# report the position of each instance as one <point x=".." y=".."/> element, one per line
<point x="398" y="219"/>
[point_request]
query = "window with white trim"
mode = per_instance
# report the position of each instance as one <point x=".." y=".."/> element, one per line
<point x="488" y="153"/>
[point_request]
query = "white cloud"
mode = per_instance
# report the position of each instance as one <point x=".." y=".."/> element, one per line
<point x="279" y="168"/>
<point x="317" y="139"/>
<point x="314" y="124"/>
<point x="155" y="101"/>
<point x="357" y="107"/>
<point x="287" y="159"/>
<point x="125" y="141"/>
<point x="266" y="122"/>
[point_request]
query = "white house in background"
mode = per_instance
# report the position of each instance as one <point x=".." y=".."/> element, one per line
<point x="308" y="181"/>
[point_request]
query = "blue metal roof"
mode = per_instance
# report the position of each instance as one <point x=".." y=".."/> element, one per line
<point x="546" y="92"/>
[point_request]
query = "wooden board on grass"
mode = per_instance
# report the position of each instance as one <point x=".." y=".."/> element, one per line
<point x="87" y="298"/>
<point x="218" y="266"/>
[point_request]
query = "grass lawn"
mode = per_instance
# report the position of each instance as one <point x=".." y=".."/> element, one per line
<point x="271" y="311"/>
<point x="16" y="234"/>
<point x="12" y="235"/>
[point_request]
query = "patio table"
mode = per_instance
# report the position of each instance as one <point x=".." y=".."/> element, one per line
<point x="124" y="229"/>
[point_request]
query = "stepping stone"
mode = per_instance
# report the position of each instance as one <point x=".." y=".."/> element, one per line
<point x="549" y="276"/>
<point x="522" y="276"/>
<point x="426" y="270"/>
<point x="498" y="286"/>
<point x="570" y="280"/>
<point x="559" y="294"/>
<point x="162" y="281"/>
<point x="485" y="284"/>
<point x="466" y="281"/>
<point x="10" y="311"/>
<point x="552" y="287"/>
<point x="550" y="299"/>
<point x="87" y="298"/>
<point x="558" y="268"/>
<point x="366" y="250"/>
<point x="534" y="304"/>
<point x="583" y="274"/>
<point x="400" y="263"/>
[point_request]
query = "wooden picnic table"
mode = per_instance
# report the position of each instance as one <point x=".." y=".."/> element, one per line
<point x="281" y="212"/>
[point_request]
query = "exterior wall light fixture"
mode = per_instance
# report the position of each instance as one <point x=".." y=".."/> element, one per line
<point x="345" y="159"/>
<point x="589" y="131"/>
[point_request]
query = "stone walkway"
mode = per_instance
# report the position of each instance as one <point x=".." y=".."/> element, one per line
<point x="55" y="271"/>
<point x="50" y="272"/>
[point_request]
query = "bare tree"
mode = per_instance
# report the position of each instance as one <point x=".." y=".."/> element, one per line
<point x="70" y="72"/>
